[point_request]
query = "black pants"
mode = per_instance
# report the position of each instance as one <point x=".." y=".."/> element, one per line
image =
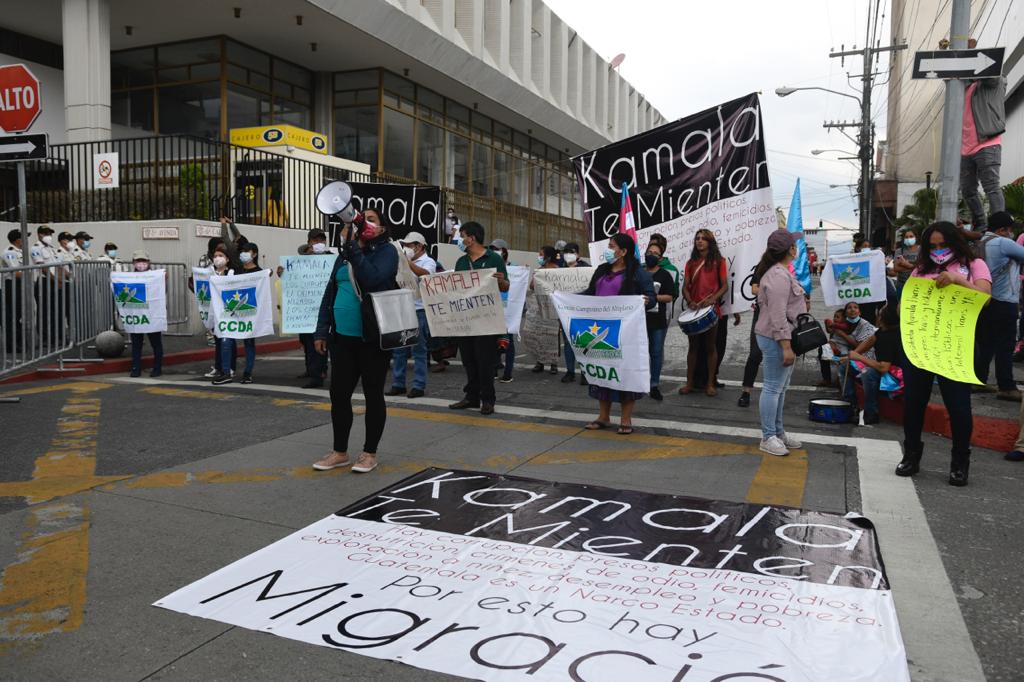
<point x="316" y="363"/>
<point x="754" y="357"/>
<point x="12" y="315"/>
<point x="994" y="338"/>
<point x="156" y="340"/>
<point x="479" y="356"/>
<point x="957" y="398"/>
<point x="353" y="360"/>
<point x="721" y="337"/>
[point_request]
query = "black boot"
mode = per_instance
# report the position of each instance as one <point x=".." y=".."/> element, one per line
<point x="958" y="468"/>
<point x="911" y="462"/>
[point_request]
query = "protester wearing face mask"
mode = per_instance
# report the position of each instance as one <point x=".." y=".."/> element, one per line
<point x="571" y="256"/>
<point x="947" y="259"/>
<point x="905" y="259"/>
<point x="248" y="256"/>
<point x="414" y="246"/>
<point x="619" y="275"/>
<point x="571" y="259"/>
<point x="657" y="322"/>
<point x="141" y="263"/>
<point x="540" y="334"/>
<point x="366" y="264"/>
<point x="858" y="336"/>
<point x="222" y="371"/>
<point x="316" y="364"/>
<point x="507" y="355"/>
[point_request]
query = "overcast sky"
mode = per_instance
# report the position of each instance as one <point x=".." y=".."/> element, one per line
<point x="685" y="56"/>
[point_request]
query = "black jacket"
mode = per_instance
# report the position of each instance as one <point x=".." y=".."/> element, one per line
<point x="374" y="266"/>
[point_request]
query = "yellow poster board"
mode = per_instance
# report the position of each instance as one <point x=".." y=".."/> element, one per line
<point x="279" y="136"/>
<point x="937" y="327"/>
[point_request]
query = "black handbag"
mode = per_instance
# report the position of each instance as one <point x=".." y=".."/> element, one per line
<point x="808" y="334"/>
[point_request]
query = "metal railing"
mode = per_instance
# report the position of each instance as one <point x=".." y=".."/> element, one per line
<point x="180" y="300"/>
<point x="172" y="176"/>
<point x="48" y="310"/>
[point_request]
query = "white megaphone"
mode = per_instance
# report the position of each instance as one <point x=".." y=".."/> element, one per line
<point x="335" y="199"/>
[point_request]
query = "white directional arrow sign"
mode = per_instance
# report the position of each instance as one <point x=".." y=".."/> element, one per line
<point x="978" y="63"/>
<point x="22" y="147"/>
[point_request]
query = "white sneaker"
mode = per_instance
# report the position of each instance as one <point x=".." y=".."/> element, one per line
<point x="365" y="464"/>
<point x="790" y="443"/>
<point x="331" y="460"/>
<point x="774" y="446"/>
<point x="212" y="373"/>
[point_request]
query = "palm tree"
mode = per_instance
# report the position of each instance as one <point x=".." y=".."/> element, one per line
<point x="1014" y="196"/>
<point x="920" y="212"/>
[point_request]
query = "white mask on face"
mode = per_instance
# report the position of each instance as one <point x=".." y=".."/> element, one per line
<point x="319" y="247"/>
<point x="220" y="261"/>
<point x="48" y="239"/>
<point x="410" y="252"/>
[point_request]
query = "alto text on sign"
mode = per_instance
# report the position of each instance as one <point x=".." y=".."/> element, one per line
<point x="19" y="98"/>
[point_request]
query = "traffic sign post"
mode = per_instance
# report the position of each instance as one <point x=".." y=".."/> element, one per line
<point x="19" y="98"/>
<point x="965" y="64"/>
<point x="23" y="147"/>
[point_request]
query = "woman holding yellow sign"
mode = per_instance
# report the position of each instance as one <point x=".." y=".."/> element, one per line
<point x="946" y="259"/>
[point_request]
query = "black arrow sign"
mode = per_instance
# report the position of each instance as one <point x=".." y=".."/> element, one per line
<point x="22" y="147"/>
<point x="968" y="64"/>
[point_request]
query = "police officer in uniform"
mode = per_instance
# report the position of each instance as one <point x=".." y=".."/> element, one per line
<point x="110" y="256"/>
<point x="11" y="286"/>
<point x="47" y="280"/>
<point x="80" y="246"/>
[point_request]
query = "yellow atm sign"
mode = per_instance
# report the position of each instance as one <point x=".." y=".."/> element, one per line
<point x="279" y="136"/>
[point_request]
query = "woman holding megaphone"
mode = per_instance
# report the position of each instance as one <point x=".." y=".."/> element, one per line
<point x="367" y="262"/>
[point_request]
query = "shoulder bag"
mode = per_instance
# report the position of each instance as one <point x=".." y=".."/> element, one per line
<point x="808" y="334"/>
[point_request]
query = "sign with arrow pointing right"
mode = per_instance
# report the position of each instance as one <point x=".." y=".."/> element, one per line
<point x="966" y="64"/>
<point x="22" y="147"/>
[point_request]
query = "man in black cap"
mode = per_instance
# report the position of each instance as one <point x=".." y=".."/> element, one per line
<point x="997" y="323"/>
<point x="80" y="247"/>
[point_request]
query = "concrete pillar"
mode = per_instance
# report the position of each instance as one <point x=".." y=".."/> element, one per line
<point x="86" y="37"/>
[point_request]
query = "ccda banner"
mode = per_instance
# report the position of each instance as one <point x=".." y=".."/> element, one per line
<point x="201" y="284"/>
<point x="507" y="578"/>
<point x="708" y="170"/>
<point x="241" y="305"/>
<point x="856" y="277"/>
<point x="140" y="299"/>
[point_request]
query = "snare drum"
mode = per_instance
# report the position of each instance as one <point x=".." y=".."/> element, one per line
<point x="830" y="411"/>
<point x="695" y="322"/>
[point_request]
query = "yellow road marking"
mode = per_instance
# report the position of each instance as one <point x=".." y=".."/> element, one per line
<point x="74" y="386"/>
<point x="780" y="480"/>
<point x="188" y="393"/>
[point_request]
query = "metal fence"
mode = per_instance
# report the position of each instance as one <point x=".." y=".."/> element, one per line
<point x="180" y="300"/>
<point x="171" y="176"/>
<point x="48" y="310"/>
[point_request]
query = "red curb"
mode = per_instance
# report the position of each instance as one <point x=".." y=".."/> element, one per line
<point x="124" y="364"/>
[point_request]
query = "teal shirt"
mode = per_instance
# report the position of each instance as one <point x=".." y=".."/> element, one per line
<point x="348" y="316"/>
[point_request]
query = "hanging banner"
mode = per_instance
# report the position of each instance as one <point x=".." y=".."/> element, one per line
<point x="465" y="303"/>
<point x="937" y="327"/>
<point x="857" y="277"/>
<point x="515" y="298"/>
<point x="141" y="300"/>
<point x="507" y="578"/>
<point x="705" y="171"/>
<point x="201" y="284"/>
<point x="405" y="209"/>
<point x="567" y="280"/>
<point x="303" y="283"/>
<point x="608" y="334"/>
<point x="241" y="305"/>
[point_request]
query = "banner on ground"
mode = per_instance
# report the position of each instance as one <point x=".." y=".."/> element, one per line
<point x="141" y="300"/>
<point x="708" y="170"/>
<point x="464" y="303"/>
<point x="201" y="285"/>
<point x="856" y="277"/>
<point x="515" y="298"/>
<point x="303" y="282"/>
<point x="404" y="208"/>
<point x="608" y="335"/>
<point x="505" y="578"/>
<point x="937" y="327"/>
<point x="241" y="305"/>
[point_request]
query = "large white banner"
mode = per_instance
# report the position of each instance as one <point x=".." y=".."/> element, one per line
<point x="509" y="579"/>
<point x="303" y="282"/>
<point x="464" y="303"/>
<point x="857" y="277"/>
<point x="141" y="300"/>
<point x="705" y="171"/>
<point x="608" y="334"/>
<point x="515" y="298"/>
<point x="241" y="305"/>
<point x="201" y="285"/>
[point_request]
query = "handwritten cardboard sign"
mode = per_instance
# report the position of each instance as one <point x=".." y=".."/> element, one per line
<point x="937" y="327"/>
<point x="302" y="288"/>
<point x="465" y="303"/>
<point x="565" y="280"/>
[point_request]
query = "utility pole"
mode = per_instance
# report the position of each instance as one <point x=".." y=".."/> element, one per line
<point x="953" y="118"/>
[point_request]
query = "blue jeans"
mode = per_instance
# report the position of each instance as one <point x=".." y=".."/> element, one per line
<point x="570" y="356"/>
<point x="228" y="351"/>
<point x="218" y="355"/>
<point x="400" y="358"/>
<point x="656" y="347"/>
<point x="870" y="379"/>
<point x="776" y="381"/>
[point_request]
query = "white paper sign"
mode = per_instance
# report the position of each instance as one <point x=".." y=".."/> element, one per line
<point x="857" y="277"/>
<point x="464" y="303"/>
<point x="242" y="306"/>
<point x="608" y="334"/>
<point x="201" y="284"/>
<point x="141" y="300"/>
<point x="548" y="281"/>
<point x="302" y="289"/>
<point x="106" y="171"/>
<point x="515" y="298"/>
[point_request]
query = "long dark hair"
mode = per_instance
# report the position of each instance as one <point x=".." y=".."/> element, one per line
<point x="713" y="254"/>
<point x="954" y="239"/>
<point x="549" y="253"/>
<point x="626" y="243"/>
<point x="768" y="259"/>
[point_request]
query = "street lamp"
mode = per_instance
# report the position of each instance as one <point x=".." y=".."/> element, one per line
<point x="786" y="91"/>
<point x="816" y="152"/>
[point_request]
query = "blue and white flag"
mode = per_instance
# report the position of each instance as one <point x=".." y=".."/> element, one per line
<point x="241" y="305"/>
<point x="140" y="299"/>
<point x="795" y="223"/>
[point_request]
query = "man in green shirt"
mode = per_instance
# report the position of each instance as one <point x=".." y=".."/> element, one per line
<point x="479" y="353"/>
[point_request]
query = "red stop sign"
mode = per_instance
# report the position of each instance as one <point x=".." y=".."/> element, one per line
<point x="19" y="98"/>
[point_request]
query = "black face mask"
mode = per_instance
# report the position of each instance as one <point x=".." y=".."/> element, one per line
<point x="651" y="260"/>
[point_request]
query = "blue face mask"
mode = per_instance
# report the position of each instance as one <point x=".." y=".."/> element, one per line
<point x="86" y="244"/>
<point x="853" y="320"/>
<point x="245" y="257"/>
<point x="112" y="253"/>
<point x="462" y="246"/>
<point x="540" y="260"/>
<point x="909" y="241"/>
<point x="609" y="256"/>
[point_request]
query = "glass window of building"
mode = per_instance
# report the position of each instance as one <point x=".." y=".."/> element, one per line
<point x="132" y="109"/>
<point x="398" y="92"/>
<point x="398" y="144"/>
<point x="536" y="187"/>
<point x="482" y="174"/>
<point x="458" y="115"/>
<point x="502" y="176"/>
<point x="247" y="107"/>
<point x="355" y="134"/>
<point x="190" y="109"/>
<point x="430" y="154"/>
<point x="457" y="162"/>
<point x="429" y="105"/>
<point x="132" y="68"/>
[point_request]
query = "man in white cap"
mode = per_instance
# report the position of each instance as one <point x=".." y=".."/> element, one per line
<point x="415" y="248"/>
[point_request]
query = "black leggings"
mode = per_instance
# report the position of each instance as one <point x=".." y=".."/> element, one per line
<point x="753" y="357"/>
<point x="353" y="359"/>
